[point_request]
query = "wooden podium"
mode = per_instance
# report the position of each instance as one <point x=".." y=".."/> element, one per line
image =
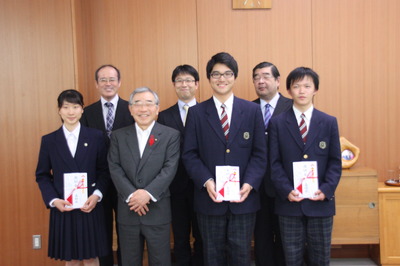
<point x="357" y="216"/>
<point x="389" y="212"/>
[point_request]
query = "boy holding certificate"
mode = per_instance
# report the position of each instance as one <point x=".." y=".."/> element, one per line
<point x="72" y="174"/>
<point x="305" y="170"/>
<point x="225" y="155"/>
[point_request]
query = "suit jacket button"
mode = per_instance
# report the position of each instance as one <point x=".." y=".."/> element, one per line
<point x="305" y="156"/>
<point x="228" y="150"/>
<point x="140" y="180"/>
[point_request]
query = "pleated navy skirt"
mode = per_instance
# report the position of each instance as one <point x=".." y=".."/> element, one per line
<point x="77" y="235"/>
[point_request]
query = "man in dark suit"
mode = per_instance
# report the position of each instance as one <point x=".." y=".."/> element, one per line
<point x="185" y="80"/>
<point x="226" y="227"/>
<point x="300" y="135"/>
<point x="143" y="159"/>
<point x="268" y="249"/>
<point x="108" y="114"/>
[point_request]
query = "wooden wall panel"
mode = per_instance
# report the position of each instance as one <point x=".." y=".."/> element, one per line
<point x="145" y="41"/>
<point x="355" y="53"/>
<point x="37" y="64"/>
<point x="281" y="35"/>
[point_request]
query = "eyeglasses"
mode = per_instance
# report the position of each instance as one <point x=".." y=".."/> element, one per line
<point x="105" y="80"/>
<point x="217" y="75"/>
<point x="262" y="76"/>
<point x="187" y="81"/>
<point x="143" y="104"/>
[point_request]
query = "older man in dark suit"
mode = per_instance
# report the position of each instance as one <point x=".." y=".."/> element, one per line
<point x="225" y="131"/>
<point x="108" y="114"/>
<point x="185" y="80"/>
<point x="268" y="249"/>
<point x="143" y="159"/>
<point x="305" y="135"/>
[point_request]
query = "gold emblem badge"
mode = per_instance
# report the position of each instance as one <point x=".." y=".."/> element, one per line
<point x="246" y="135"/>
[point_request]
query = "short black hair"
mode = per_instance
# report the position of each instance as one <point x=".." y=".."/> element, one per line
<point x="96" y="77"/>
<point x="71" y="96"/>
<point x="225" y="59"/>
<point x="185" y="69"/>
<point x="274" y="69"/>
<point x="299" y="73"/>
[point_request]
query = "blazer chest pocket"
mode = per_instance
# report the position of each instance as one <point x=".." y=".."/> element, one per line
<point x="321" y="147"/>
<point x="245" y="140"/>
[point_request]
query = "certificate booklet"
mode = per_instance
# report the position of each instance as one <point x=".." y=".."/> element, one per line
<point x="75" y="189"/>
<point x="227" y="182"/>
<point x="305" y="178"/>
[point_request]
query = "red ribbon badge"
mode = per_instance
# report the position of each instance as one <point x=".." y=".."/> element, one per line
<point x="151" y="140"/>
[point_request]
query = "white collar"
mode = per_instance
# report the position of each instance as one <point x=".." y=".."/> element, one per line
<point x="114" y="100"/>
<point x="74" y="132"/>
<point x="272" y="103"/>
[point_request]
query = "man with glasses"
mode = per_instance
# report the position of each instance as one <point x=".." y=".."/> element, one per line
<point x="268" y="249"/>
<point x="185" y="80"/>
<point x="108" y="114"/>
<point x="143" y="159"/>
<point x="225" y="131"/>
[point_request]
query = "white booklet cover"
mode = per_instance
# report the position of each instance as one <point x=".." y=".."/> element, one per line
<point x="75" y="189"/>
<point x="305" y="178"/>
<point x="227" y="183"/>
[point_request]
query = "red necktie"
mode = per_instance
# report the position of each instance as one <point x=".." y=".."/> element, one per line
<point x="224" y="121"/>
<point x="303" y="128"/>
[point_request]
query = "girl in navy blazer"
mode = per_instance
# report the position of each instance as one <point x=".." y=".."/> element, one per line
<point x="75" y="235"/>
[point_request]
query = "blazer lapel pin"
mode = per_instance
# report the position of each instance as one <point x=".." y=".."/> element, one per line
<point x="152" y="140"/>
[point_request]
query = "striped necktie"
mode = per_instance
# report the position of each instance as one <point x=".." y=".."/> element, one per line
<point x="224" y="121"/>
<point x="267" y="116"/>
<point x="109" y="118"/>
<point x="303" y="128"/>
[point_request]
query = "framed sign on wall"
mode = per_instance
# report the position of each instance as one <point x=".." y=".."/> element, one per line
<point x="251" y="4"/>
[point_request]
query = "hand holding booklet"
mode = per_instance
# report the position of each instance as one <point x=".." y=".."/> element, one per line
<point x="227" y="183"/>
<point x="75" y="189"/>
<point x="305" y="178"/>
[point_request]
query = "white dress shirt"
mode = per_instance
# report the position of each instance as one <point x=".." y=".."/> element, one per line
<point x="143" y="136"/>
<point x="307" y="114"/>
<point x="72" y="138"/>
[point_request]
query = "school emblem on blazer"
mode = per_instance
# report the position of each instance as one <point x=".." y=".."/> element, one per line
<point x="246" y="135"/>
<point x="322" y="144"/>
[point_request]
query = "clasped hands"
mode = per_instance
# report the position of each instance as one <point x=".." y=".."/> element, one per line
<point x="294" y="196"/>
<point x="138" y="202"/>
<point x="89" y="205"/>
<point x="244" y="191"/>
